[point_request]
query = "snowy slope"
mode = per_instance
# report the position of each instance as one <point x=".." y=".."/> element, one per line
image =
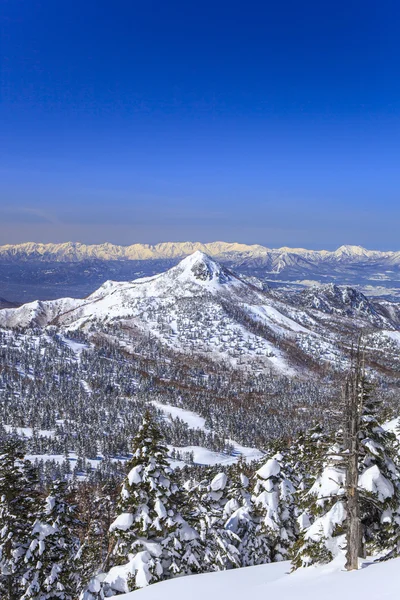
<point x="343" y="301"/>
<point x="167" y="306"/>
<point x="330" y="582"/>
<point x="195" y="276"/>
<point x="202" y="309"/>
<point x="203" y="456"/>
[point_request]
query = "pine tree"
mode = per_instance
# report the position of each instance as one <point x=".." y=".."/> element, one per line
<point x="323" y="512"/>
<point x="326" y="514"/>
<point x="150" y="533"/>
<point x="379" y="480"/>
<point x="89" y="558"/>
<point x="274" y="497"/>
<point x="18" y="496"/>
<point x="51" y="567"/>
<point x="220" y="543"/>
<point x="244" y="519"/>
<point x="96" y="510"/>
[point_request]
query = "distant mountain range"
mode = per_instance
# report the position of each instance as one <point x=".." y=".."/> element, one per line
<point x="275" y="260"/>
<point x="46" y="271"/>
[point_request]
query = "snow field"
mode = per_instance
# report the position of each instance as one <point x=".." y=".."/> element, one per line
<point x="273" y="581"/>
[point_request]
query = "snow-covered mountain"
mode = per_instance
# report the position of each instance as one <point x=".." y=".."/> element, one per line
<point x="76" y="251"/>
<point x="47" y="271"/>
<point x="202" y="309"/>
<point x="194" y="277"/>
<point x="343" y="301"/>
<point x="275" y="260"/>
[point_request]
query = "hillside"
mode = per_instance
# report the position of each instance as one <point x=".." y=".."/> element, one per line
<point x="200" y="308"/>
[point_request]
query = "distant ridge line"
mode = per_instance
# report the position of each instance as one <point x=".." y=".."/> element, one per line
<point x="78" y="252"/>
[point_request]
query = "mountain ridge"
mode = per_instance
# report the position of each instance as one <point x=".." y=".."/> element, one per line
<point x="79" y="252"/>
<point x="200" y="307"/>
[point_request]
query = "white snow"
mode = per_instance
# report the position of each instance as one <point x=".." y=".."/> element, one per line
<point x="194" y="420"/>
<point x="330" y="483"/>
<point x="160" y="509"/>
<point x="273" y="581"/>
<point x="203" y="456"/>
<point x="325" y="525"/>
<point x="28" y="431"/>
<point x="219" y="482"/>
<point x="134" y="476"/>
<point x="271" y="315"/>
<point x="137" y="567"/>
<point x="165" y="306"/>
<point x="123" y="522"/>
<point x="393" y="426"/>
<point x="270" y="469"/>
<point x="372" y="480"/>
<point x="393" y="335"/>
<point x="76" y="347"/>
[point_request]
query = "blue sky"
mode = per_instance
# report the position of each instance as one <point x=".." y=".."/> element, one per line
<point x="259" y="122"/>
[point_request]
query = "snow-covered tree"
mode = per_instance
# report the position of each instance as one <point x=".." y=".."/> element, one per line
<point x="274" y="497"/>
<point x="220" y="543"/>
<point x="51" y="566"/>
<point x="325" y="517"/>
<point x="150" y="533"/>
<point x="244" y="519"/>
<point x="18" y="496"/>
<point x="322" y="512"/>
<point x="89" y="558"/>
<point x="379" y="481"/>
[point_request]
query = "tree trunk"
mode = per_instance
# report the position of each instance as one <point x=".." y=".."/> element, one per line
<point x="353" y="516"/>
<point x="353" y="411"/>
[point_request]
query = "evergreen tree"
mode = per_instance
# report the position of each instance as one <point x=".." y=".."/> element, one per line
<point x="325" y="517"/>
<point x="274" y="497"/>
<point x="323" y="512"/>
<point x="17" y="505"/>
<point x="51" y="566"/>
<point x="96" y="510"/>
<point x="150" y="533"/>
<point x="220" y="543"/>
<point x="379" y="480"/>
<point x="244" y="518"/>
<point x="90" y="555"/>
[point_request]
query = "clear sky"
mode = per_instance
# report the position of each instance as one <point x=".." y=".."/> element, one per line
<point x="259" y="122"/>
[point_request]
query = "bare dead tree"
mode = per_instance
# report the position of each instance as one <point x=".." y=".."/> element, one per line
<point x="353" y="407"/>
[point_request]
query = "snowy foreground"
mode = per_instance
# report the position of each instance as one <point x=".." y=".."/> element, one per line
<point x="379" y="581"/>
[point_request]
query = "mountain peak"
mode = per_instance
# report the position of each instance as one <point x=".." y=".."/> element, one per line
<point x="202" y="267"/>
<point x="350" y="250"/>
<point x="198" y="255"/>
